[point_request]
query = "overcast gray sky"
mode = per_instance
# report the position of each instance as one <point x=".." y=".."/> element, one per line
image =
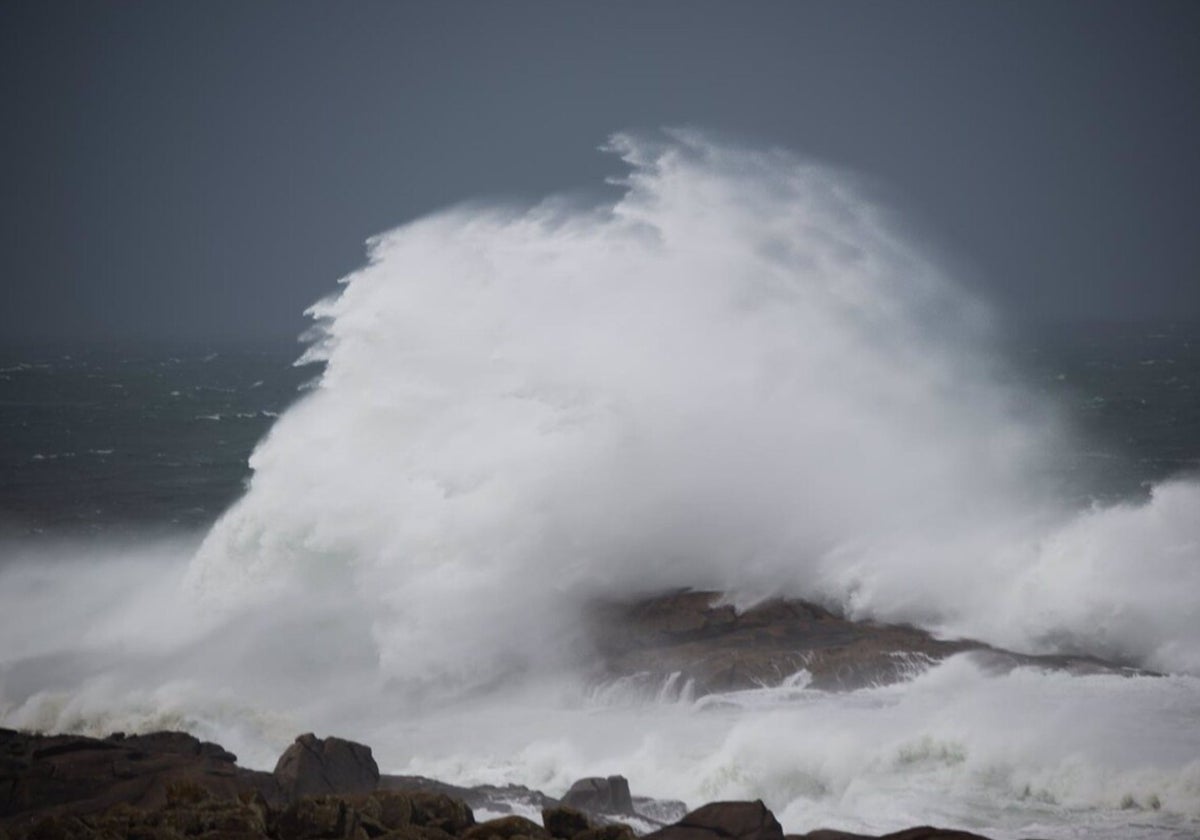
<point x="208" y="169"/>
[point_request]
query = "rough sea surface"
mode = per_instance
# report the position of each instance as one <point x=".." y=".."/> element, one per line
<point x="741" y="376"/>
<point x="136" y="435"/>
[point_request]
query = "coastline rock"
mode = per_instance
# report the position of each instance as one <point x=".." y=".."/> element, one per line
<point x="612" y="831"/>
<point x="923" y="832"/>
<point x="598" y="795"/>
<point x="724" y="821"/>
<point x="506" y="828"/>
<point x="168" y="785"/>
<point x="76" y="775"/>
<point x="313" y="766"/>
<point x="690" y="638"/>
<point x="565" y="822"/>
<point x="495" y="798"/>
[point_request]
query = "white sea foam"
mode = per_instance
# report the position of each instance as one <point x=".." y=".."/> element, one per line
<point x="740" y="376"/>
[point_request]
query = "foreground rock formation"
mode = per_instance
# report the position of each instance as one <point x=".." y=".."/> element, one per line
<point x="693" y="636"/>
<point x="170" y="786"/>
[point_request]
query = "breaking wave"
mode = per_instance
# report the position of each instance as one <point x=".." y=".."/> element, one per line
<point x="742" y="375"/>
<point x="739" y="376"/>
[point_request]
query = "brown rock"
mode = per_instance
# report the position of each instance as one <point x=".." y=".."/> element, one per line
<point x="923" y="832"/>
<point x="390" y="809"/>
<point x="718" y="649"/>
<point x="600" y="796"/>
<point x="926" y="832"/>
<point x="565" y="822"/>
<point x="313" y="817"/>
<point x="436" y="810"/>
<point x="612" y="831"/>
<point x="313" y="766"/>
<point x="504" y="828"/>
<point x="734" y="820"/>
<point x="76" y="775"/>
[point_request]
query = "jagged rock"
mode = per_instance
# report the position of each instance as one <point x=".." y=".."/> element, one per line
<point x="926" y="832"/>
<point x="693" y="638"/>
<point x="504" y="828"/>
<point x="612" y="831"/>
<point x="565" y="822"/>
<point x="315" y="817"/>
<point x="313" y="766"/>
<point x="77" y="775"/>
<point x="923" y="832"/>
<point x="724" y="820"/>
<point x="600" y="796"/>
<point x="436" y="810"/>
<point x="495" y="798"/>
<point x="171" y="786"/>
<point x="390" y="809"/>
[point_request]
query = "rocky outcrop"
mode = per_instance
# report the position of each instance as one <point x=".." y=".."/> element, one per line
<point x="313" y="766"/>
<point x="506" y="828"/>
<point x="494" y="798"/>
<point x="724" y="821"/>
<point x="190" y="811"/>
<point x="73" y="774"/>
<point x="601" y="796"/>
<point x="691" y="636"/>
<point x="171" y="786"/>
<point x="565" y="822"/>
<point x="923" y="832"/>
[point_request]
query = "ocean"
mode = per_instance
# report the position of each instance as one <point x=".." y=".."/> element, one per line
<point x="105" y="438"/>
<point x="738" y="377"/>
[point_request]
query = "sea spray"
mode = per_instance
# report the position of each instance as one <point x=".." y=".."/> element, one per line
<point x="741" y="376"/>
<point x="738" y="376"/>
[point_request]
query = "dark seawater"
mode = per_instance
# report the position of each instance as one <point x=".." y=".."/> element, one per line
<point x="1132" y="394"/>
<point x="112" y="439"/>
<point x="109" y="439"/>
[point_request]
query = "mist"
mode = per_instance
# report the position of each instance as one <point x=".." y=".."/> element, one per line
<point x="745" y="374"/>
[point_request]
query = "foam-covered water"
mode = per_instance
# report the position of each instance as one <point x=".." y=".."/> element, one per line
<point x="742" y="375"/>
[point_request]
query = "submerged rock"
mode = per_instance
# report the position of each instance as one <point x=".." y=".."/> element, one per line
<point x="692" y="642"/>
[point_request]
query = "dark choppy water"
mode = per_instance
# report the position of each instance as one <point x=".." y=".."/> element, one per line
<point x="1132" y="391"/>
<point x="155" y="436"/>
<point x="103" y="438"/>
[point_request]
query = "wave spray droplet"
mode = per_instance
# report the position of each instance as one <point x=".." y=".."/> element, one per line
<point x="739" y="376"/>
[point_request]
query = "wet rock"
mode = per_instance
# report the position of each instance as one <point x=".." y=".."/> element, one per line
<point x="314" y="817"/>
<point x="500" y="799"/>
<point x="391" y="810"/>
<point x="313" y="766"/>
<point x="505" y="828"/>
<point x="77" y="775"/>
<point x="565" y="822"/>
<point x="612" y="831"/>
<point x="169" y="786"/>
<point x="437" y="810"/>
<point x="600" y="796"/>
<point x="692" y="638"/>
<point x="724" y="821"/>
<point x="924" y="832"/>
<point x="661" y="811"/>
